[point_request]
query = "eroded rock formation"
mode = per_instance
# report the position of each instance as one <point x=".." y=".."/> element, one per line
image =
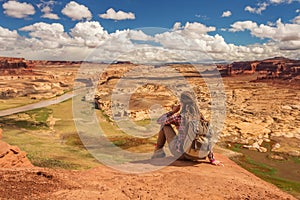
<point x="278" y="67"/>
<point x="35" y="79"/>
<point x="12" y="156"/>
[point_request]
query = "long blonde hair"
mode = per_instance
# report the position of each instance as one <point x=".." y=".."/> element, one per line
<point x="189" y="106"/>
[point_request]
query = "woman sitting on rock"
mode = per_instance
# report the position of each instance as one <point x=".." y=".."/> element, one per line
<point x="177" y="142"/>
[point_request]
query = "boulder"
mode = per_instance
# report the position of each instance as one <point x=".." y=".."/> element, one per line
<point x="286" y="107"/>
<point x="277" y="157"/>
<point x="247" y="128"/>
<point x="262" y="149"/>
<point x="294" y="153"/>
<point x="12" y="156"/>
<point x="4" y="149"/>
<point x="275" y="146"/>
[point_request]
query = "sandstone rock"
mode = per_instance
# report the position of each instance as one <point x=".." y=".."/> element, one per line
<point x="250" y="147"/>
<point x="4" y="149"/>
<point x="12" y="156"/>
<point x="268" y="120"/>
<point x="267" y="140"/>
<point x="294" y="153"/>
<point x="11" y="160"/>
<point x="0" y="133"/>
<point x="262" y="149"/>
<point x="296" y="106"/>
<point x="275" y="146"/>
<point x="247" y="128"/>
<point x="277" y="157"/>
<point x="260" y="141"/>
<point x="286" y="107"/>
<point x="15" y="149"/>
<point x="289" y="135"/>
<point x="256" y="145"/>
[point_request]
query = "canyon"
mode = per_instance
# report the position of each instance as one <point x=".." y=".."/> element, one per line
<point x="259" y="101"/>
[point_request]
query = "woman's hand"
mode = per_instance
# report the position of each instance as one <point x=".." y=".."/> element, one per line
<point x="175" y="109"/>
<point x="217" y="163"/>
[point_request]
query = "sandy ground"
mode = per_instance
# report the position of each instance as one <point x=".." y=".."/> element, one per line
<point x="180" y="180"/>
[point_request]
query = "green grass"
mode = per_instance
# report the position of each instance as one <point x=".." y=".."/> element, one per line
<point x="237" y="148"/>
<point x="25" y="124"/>
<point x="45" y="150"/>
<point x="60" y="146"/>
<point x="144" y="122"/>
<point x="269" y="174"/>
<point x="40" y="115"/>
<point x="123" y="140"/>
<point x="16" y="102"/>
<point x="296" y="160"/>
<point x="260" y="168"/>
<point x="30" y="120"/>
<point x="52" y="163"/>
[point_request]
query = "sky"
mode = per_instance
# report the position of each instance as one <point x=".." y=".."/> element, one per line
<point x="145" y="31"/>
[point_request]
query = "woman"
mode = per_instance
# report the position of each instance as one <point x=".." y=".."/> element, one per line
<point x="167" y="133"/>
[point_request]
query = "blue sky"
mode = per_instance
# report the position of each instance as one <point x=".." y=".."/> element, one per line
<point x="242" y="29"/>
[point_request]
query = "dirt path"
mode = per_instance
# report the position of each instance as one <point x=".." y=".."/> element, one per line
<point x="181" y="180"/>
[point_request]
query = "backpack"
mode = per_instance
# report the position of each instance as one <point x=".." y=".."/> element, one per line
<point x="198" y="135"/>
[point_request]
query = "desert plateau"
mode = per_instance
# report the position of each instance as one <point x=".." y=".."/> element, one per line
<point x="43" y="157"/>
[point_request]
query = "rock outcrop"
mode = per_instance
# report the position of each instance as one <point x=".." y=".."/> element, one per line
<point x="12" y="156"/>
<point x="14" y="66"/>
<point x="12" y="63"/>
<point x="273" y="68"/>
<point x="35" y="79"/>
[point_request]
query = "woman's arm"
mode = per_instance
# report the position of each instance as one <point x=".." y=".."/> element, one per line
<point x="168" y="117"/>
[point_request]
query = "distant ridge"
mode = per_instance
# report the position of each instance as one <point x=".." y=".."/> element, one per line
<point x="274" y="69"/>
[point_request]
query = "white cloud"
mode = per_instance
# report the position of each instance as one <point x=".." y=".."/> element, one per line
<point x="226" y="13"/>
<point x="189" y="42"/>
<point x="280" y="1"/>
<point x="120" y="15"/>
<point x="192" y="36"/>
<point x="17" y="9"/>
<point x="279" y="33"/>
<point x="51" y="35"/>
<point x="76" y="11"/>
<point x="90" y="34"/>
<point x="9" y="41"/>
<point x="296" y="20"/>
<point x="50" y="16"/>
<point x="48" y="13"/>
<point x="261" y="7"/>
<point x="277" y="1"/>
<point x="290" y="45"/>
<point x="47" y="7"/>
<point x="6" y="33"/>
<point x="298" y="10"/>
<point x="133" y="35"/>
<point x="198" y="28"/>
<point x="242" y="25"/>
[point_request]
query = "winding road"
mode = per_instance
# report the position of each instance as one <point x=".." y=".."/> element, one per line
<point x="40" y="104"/>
